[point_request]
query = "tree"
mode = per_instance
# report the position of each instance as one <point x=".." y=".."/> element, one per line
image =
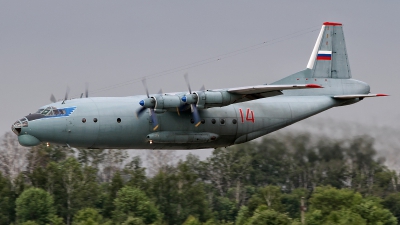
<point x="136" y="174"/>
<point x="39" y="157"/>
<point x="160" y="160"/>
<point x="111" y="193"/>
<point x="269" y="196"/>
<point x="12" y="157"/>
<point x="345" y="216"/>
<point x="179" y="194"/>
<point x="291" y="202"/>
<point x="328" y="199"/>
<point x="372" y="211"/>
<point x="73" y="185"/>
<point x="227" y="168"/>
<point x="265" y="216"/>
<point x="345" y="206"/>
<point x="112" y="162"/>
<point x="87" y="216"/>
<point x="392" y="202"/>
<point x="35" y="204"/>
<point x="7" y="201"/>
<point x="134" y="202"/>
<point x="191" y="220"/>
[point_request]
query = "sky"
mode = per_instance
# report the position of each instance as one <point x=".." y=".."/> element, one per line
<point x="46" y="46"/>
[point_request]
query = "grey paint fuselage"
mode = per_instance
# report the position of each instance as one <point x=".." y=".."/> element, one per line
<point x="240" y="114"/>
<point x="270" y="114"/>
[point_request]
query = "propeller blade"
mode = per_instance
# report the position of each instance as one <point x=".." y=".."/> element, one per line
<point x="153" y="117"/>
<point x="140" y="111"/>
<point x="196" y="116"/>
<point x="87" y="90"/>
<point x="145" y="87"/>
<point x="187" y="82"/>
<point x="160" y="92"/>
<point x="52" y="98"/>
<point x="202" y="88"/>
<point x="66" y="94"/>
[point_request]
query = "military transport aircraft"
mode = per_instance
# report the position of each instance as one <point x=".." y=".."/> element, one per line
<point x="205" y="118"/>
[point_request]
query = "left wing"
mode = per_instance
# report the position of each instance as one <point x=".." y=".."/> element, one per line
<point x="258" y="89"/>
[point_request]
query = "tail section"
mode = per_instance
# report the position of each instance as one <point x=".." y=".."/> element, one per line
<point x="329" y="57"/>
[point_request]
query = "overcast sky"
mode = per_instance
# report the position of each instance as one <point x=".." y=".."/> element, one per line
<point x="46" y="46"/>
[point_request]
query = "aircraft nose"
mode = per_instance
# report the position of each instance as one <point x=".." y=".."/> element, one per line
<point x="16" y="127"/>
<point x="24" y="139"/>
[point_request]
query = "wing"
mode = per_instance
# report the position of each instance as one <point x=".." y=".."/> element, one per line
<point x="264" y="91"/>
<point x="358" y="96"/>
<point x="267" y="88"/>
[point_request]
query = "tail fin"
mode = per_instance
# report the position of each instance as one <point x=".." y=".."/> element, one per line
<point x="329" y="57"/>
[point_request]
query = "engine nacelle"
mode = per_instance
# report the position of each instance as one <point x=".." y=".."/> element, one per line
<point x="167" y="102"/>
<point x="202" y="99"/>
<point x="148" y="103"/>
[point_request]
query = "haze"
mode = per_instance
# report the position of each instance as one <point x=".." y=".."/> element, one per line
<point x="46" y="46"/>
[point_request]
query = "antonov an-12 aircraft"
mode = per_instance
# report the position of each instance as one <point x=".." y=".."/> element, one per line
<point x="205" y="118"/>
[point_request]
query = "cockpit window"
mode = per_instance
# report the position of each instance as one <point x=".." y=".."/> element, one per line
<point x="46" y="111"/>
<point x="52" y="111"/>
<point x="39" y="111"/>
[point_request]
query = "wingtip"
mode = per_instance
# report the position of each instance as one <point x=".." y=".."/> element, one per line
<point x="314" y="86"/>
<point x="381" y="95"/>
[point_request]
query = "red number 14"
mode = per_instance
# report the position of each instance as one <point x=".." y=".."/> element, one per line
<point x="249" y="115"/>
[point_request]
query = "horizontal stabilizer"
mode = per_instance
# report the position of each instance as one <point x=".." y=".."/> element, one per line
<point x="266" y="88"/>
<point x="358" y="96"/>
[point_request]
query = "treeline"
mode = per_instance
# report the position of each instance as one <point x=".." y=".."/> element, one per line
<point x="261" y="182"/>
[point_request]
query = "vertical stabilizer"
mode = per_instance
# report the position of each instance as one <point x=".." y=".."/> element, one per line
<point x="329" y="57"/>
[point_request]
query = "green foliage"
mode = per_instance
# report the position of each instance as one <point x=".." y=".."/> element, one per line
<point x="133" y="221"/>
<point x="243" y="215"/>
<point x="291" y="201"/>
<point x="87" y="216"/>
<point x="191" y="220"/>
<point x="328" y="199"/>
<point x="134" y="202"/>
<point x="260" y="182"/>
<point x="29" y="222"/>
<point x="263" y="216"/>
<point x="136" y="174"/>
<point x="7" y="201"/>
<point x="344" y="217"/>
<point x="55" y="220"/>
<point x="36" y="205"/>
<point x="333" y="206"/>
<point x="179" y="194"/>
<point x="116" y="184"/>
<point x="74" y="186"/>
<point x="269" y="196"/>
<point x="392" y="202"/>
<point x="373" y="212"/>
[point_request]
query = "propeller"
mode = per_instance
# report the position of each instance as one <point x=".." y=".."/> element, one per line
<point x="66" y="95"/>
<point x="86" y="90"/>
<point x="140" y="112"/>
<point x="195" y="112"/>
<point x="53" y="99"/>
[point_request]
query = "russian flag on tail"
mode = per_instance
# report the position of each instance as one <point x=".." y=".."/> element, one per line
<point x="324" y="55"/>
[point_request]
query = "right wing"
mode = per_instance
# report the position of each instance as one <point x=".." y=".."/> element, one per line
<point x="358" y="96"/>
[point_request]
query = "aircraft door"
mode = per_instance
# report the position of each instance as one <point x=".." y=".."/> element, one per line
<point x="82" y="126"/>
